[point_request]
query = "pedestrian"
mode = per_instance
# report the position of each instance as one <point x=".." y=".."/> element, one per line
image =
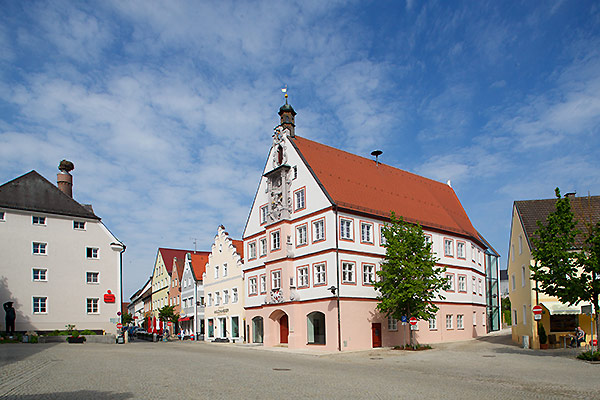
<point x="579" y="337"/>
<point x="11" y="316"/>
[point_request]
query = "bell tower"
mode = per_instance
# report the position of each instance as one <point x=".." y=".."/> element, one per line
<point x="287" y="115"/>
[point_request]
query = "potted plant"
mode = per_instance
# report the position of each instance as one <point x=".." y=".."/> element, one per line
<point x="543" y="337"/>
<point x="75" y="338"/>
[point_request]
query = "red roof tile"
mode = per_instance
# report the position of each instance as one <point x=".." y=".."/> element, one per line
<point x="239" y="247"/>
<point x="199" y="260"/>
<point x="359" y="184"/>
<point x="168" y="254"/>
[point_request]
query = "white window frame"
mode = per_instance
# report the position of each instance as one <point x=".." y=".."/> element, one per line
<point x="513" y="282"/>
<point x="40" y="272"/>
<point x="460" y="321"/>
<point x="480" y="283"/>
<point x="300" y="199"/>
<point x="40" y="248"/>
<point x="448" y="247"/>
<point x="462" y="283"/>
<point x="79" y="225"/>
<point x="89" y="274"/>
<point x="433" y="324"/>
<point x="301" y="235"/>
<point x="41" y="302"/>
<point x="276" y="240"/>
<point x="224" y="270"/>
<point x="209" y="300"/>
<point x="524" y="314"/>
<point x="460" y="250"/>
<point x="94" y="303"/>
<point x="92" y="253"/>
<point x="474" y="318"/>
<point x="348" y="272"/>
<point x="366" y="232"/>
<point x="37" y="220"/>
<point x="217" y="298"/>
<point x="318" y="232"/>
<point x="276" y="280"/>
<point x="368" y="275"/>
<point x="346" y="229"/>
<point x="216" y="272"/>
<point x="263" y="246"/>
<point x="522" y="276"/>
<point x="392" y="324"/>
<point x="520" y="244"/>
<point x="303" y="277"/>
<point x="514" y="318"/>
<point x="264" y="214"/>
<point x="449" y="321"/>
<point x="263" y="283"/>
<point x="234" y="295"/>
<point x="320" y="274"/>
<point x="450" y="279"/>
<point x="251" y="250"/>
<point x="225" y="296"/>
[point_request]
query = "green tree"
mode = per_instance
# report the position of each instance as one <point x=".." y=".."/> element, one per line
<point x="506" y="311"/>
<point x="562" y="269"/>
<point x="167" y="314"/>
<point x="409" y="279"/>
<point x="127" y="318"/>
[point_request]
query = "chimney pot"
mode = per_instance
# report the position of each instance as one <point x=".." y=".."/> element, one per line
<point x="64" y="180"/>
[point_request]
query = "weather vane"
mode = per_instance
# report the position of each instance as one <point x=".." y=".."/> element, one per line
<point x="284" y="90"/>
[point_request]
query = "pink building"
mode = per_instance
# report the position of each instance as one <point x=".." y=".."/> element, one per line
<point x="315" y="231"/>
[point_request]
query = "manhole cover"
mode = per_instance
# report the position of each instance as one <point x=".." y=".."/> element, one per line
<point x="281" y="369"/>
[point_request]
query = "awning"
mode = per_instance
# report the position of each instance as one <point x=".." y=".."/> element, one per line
<point x="184" y="319"/>
<point x="558" y="308"/>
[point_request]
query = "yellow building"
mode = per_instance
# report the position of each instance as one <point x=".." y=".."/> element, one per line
<point x="559" y="320"/>
<point x="161" y="278"/>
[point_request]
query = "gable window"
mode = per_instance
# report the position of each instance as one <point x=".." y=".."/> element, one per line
<point x="39" y="274"/>
<point x="92" y="306"/>
<point x="450" y="279"/>
<point x="263" y="283"/>
<point x="224" y="269"/>
<point x="303" y="277"/>
<point x="301" y="239"/>
<point x="448" y="245"/>
<point x="276" y="280"/>
<point x="234" y="295"/>
<point x="294" y="172"/>
<point x="91" y="252"/>
<point x="462" y="283"/>
<point x="40" y="305"/>
<point x="263" y="246"/>
<point x="318" y="230"/>
<point x="520" y="244"/>
<point x="319" y="274"/>
<point x="79" y="225"/>
<point x="346" y="229"/>
<point x="39" y="248"/>
<point x="216" y="271"/>
<point x="275" y="240"/>
<point x="299" y="199"/>
<point x="264" y="212"/>
<point x="348" y="275"/>
<point x="92" y="277"/>
<point x="368" y="274"/>
<point x="392" y="324"/>
<point x="251" y="250"/>
<point x="366" y="232"/>
<point x="38" y="220"/>
<point x="460" y="250"/>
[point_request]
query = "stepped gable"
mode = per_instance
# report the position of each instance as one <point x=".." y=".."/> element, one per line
<point x="33" y="192"/>
<point x="586" y="210"/>
<point x="359" y="184"/>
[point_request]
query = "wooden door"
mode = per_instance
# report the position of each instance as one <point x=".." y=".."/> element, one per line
<point x="283" y="329"/>
<point x="376" y="333"/>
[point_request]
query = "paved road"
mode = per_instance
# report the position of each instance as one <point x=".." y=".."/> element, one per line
<point x="489" y="368"/>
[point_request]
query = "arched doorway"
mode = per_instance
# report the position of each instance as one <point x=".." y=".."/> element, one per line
<point x="315" y="324"/>
<point x="284" y="329"/>
<point x="257" y="330"/>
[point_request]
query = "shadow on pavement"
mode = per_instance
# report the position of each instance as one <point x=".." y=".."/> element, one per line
<point x="507" y="346"/>
<point x="13" y="352"/>
<point x="78" y="395"/>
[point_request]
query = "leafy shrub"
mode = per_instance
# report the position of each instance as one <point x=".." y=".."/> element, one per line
<point x="33" y="339"/>
<point x="589" y="356"/>
<point x="87" y="332"/>
<point x="75" y="333"/>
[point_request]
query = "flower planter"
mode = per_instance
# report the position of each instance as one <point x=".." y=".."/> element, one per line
<point x="544" y="346"/>
<point x="79" y="339"/>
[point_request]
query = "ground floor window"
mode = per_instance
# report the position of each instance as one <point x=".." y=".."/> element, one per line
<point x="257" y="330"/>
<point x="39" y="305"/>
<point x="235" y="327"/>
<point x="392" y="324"/>
<point x="316" y="328"/>
<point x="563" y="323"/>
<point x="223" y="327"/>
<point x="459" y="322"/>
<point x="211" y="327"/>
<point x="432" y="324"/>
<point x="92" y="306"/>
<point x="448" y="321"/>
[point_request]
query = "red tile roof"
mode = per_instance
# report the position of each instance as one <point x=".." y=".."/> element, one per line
<point x="168" y="254"/>
<point x="359" y="184"/>
<point x="239" y="247"/>
<point x="199" y="260"/>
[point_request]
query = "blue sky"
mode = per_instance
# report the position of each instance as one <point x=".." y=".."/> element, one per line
<point x="167" y="108"/>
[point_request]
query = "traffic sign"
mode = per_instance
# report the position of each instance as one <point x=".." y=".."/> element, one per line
<point x="537" y="310"/>
<point x="537" y="317"/>
<point x="119" y="325"/>
<point x="403" y="318"/>
<point x="413" y="321"/>
<point x="169" y="323"/>
<point x="119" y="313"/>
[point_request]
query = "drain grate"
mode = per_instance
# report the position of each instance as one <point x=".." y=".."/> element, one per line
<point x="376" y="358"/>
<point x="281" y="369"/>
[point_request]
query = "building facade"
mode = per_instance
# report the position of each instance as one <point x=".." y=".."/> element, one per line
<point x="224" y="287"/>
<point x="192" y="295"/>
<point x="313" y="245"/>
<point x="50" y="242"/>
<point x="559" y="319"/>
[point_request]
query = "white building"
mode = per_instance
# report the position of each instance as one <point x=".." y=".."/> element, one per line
<point x="136" y="306"/>
<point x="60" y="265"/>
<point x="191" y="320"/>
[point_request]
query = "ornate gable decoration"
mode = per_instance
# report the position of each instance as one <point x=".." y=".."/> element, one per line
<point x="279" y="179"/>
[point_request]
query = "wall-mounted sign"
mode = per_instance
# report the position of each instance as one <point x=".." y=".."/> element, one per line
<point x="222" y="311"/>
<point x="109" y="297"/>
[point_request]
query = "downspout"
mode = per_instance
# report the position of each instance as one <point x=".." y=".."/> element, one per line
<point x="337" y="272"/>
<point x="121" y="277"/>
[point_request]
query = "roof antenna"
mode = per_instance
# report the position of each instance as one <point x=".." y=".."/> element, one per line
<point x="284" y="90"/>
<point x="376" y="153"/>
<point x="195" y="241"/>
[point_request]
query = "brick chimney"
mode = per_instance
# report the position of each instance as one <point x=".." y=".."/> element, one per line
<point x="64" y="180"/>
